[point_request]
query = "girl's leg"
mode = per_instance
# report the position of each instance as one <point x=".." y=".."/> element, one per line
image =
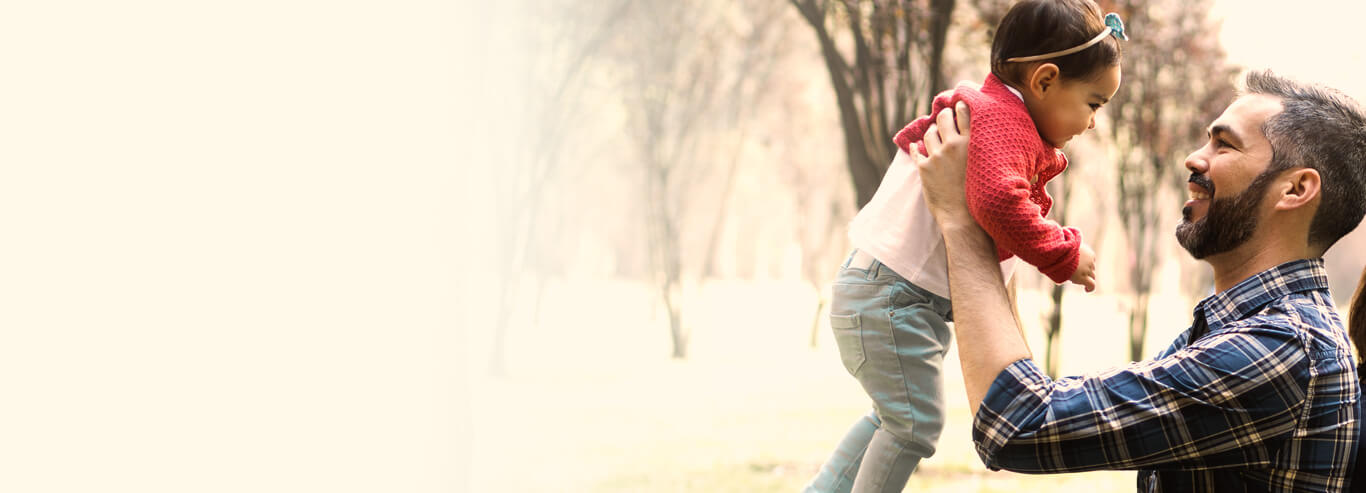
<point x="903" y="352"/>
<point x="892" y="336"/>
<point x="838" y="472"/>
<point x="887" y="465"/>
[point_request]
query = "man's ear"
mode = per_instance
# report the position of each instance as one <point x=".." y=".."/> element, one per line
<point x="1043" y="78"/>
<point x="1298" y="188"/>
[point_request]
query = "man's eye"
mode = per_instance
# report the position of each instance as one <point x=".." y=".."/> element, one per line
<point x="1095" y="107"/>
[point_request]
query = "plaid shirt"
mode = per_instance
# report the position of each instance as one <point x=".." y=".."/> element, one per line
<point x="1264" y="399"/>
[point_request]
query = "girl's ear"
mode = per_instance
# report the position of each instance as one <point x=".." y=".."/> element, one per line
<point x="1041" y="79"/>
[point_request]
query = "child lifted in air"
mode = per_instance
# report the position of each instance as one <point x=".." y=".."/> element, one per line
<point x="1054" y="63"/>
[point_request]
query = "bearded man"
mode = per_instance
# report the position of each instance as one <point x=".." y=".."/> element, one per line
<point x="1261" y="392"/>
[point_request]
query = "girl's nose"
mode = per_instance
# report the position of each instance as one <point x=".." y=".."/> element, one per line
<point x="1092" y="126"/>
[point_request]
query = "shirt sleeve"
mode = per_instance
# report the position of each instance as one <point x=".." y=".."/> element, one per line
<point x="999" y="190"/>
<point x="1229" y="400"/>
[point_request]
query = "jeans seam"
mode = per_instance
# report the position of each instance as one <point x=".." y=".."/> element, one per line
<point x="901" y="369"/>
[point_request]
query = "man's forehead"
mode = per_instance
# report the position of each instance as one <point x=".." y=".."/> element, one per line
<point x="1246" y="114"/>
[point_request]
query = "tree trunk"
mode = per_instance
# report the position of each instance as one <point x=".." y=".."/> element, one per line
<point x="678" y="336"/>
<point x="867" y="108"/>
<point x="816" y="319"/>
<point x="1053" y="353"/>
<point x="1138" y="325"/>
<point x="939" y="31"/>
<point x="515" y="248"/>
<point x="665" y="245"/>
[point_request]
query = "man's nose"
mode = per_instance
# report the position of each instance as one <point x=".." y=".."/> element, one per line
<point x="1196" y="163"/>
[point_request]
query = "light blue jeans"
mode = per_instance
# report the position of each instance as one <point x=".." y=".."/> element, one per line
<point x="892" y="336"/>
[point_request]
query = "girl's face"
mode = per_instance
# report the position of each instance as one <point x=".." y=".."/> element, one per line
<point x="1065" y="108"/>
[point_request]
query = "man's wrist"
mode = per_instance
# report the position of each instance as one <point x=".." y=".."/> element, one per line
<point x="959" y="224"/>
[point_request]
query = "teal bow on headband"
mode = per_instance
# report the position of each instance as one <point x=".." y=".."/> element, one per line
<point x="1116" y="26"/>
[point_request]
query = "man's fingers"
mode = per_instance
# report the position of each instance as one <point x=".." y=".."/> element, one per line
<point x="945" y="127"/>
<point x="945" y="121"/>
<point x="964" y="118"/>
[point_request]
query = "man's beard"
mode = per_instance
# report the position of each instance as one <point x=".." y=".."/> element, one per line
<point x="1228" y="223"/>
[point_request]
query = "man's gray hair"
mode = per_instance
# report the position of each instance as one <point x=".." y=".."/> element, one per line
<point x="1325" y="130"/>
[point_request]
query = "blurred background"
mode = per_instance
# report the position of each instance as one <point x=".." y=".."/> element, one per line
<point x="656" y="200"/>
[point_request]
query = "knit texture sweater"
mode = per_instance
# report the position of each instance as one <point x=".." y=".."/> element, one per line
<point x="1008" y="166"/>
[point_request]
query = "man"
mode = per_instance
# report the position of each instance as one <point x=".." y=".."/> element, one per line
<point x="1260" y="393"/>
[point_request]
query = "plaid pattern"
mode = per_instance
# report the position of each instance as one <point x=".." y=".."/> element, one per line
<point x="1265" y="398"/>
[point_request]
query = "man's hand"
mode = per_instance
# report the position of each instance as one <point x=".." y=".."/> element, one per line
<point x="1085" y="274"/>
<point x="943" y="175"/>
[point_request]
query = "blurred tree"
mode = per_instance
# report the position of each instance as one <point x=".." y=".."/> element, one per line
<point x="990" y="12"/>
<point x="895" y="69"/>
<point x="688" y="72"/>
<point x="758" y="43"/>
<point x="822" y="213"/>
<point x="819" y="229"/>
<point x="564" y="40"/>
<point x="1176" y="80"/>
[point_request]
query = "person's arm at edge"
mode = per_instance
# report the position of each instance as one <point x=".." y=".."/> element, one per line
<point x="989" y="338"/>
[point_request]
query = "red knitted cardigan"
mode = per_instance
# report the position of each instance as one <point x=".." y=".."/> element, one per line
<point x="1008" y="166"/>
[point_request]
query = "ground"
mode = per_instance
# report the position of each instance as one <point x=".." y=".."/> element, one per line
<point x="592" y="402"/>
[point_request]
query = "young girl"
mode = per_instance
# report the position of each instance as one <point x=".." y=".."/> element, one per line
<point x="1054" y="63"/>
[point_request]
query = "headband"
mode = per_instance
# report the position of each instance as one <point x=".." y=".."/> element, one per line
<point x="1114" y="27"/>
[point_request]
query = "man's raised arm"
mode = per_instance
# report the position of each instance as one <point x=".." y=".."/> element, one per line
<point x="988" y="338"/>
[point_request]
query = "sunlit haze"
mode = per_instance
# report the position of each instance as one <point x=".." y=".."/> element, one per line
<point x="1316" y="41"/>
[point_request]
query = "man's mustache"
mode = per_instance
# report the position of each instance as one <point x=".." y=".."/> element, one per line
<point x="1203" y="181"/>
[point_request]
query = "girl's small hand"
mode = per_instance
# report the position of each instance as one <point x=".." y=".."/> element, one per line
<point x="1086" y="269"/>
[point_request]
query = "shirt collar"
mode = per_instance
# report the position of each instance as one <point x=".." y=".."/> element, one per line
<point x="1248" y="296"/>
<point x="1016" y="92"/>
<point x="994" y="84"/>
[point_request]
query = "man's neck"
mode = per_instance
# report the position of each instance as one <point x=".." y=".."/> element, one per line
<point x="1235" y="266"/>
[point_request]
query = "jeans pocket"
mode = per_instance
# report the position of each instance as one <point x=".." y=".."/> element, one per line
<point x="849" y="339"/>
<point x="905" y="294"/>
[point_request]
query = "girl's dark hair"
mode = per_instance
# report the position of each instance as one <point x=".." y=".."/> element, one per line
<point x="1356" y="319"/>
<point x="1036" y="27"/>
